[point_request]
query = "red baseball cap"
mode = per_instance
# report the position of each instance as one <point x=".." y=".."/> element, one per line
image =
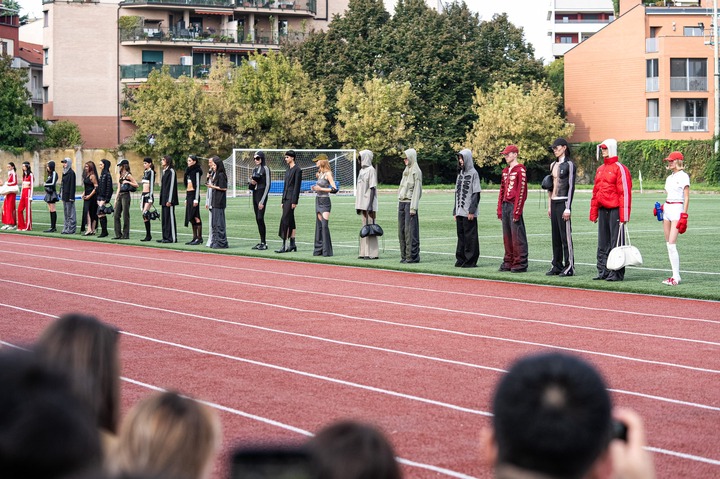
<point x="675" y="155"/>
<point x="603" y="146"/>
<point x="510" y="149"/>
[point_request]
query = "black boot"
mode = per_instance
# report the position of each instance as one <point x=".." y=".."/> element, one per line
<point x="53" y="222"/>
<point x="199" y="234"/>
<point x="103" y="225"/>
<point x="282" y="250"/>
<point x="327" y="249"/>
<point x="147" y="232"/>
<point x="292" y="246"/>
<point x="194" y="238"/>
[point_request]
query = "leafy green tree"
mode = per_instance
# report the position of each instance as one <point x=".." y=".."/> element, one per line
<point x="276" y="104"/>
<point x="62" y="134"/>
<point x="511" y="114"/>
<point x="555" y="73"/>
<point x="166" y="109"/>
<point x="15" y="110"/>
<point x="375" y="115"/>
<point x="13" y="8"/>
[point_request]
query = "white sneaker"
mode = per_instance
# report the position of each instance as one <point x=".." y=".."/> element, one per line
<point x="671" y="282"/>
<point x="4" y="227"/>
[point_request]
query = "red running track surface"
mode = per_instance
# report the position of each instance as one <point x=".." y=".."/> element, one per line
<point x="284" y="348"/>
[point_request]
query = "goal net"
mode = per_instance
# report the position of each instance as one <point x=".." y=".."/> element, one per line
<point x="239" y="167"/>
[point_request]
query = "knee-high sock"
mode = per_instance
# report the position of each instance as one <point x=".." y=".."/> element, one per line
<point x="674" y="261"/>
<point x="53" y="219"/>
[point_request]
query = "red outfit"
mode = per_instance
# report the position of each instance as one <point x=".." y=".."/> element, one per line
<point x="25" y="219"/>
<point x="613" y="189"/>
<point x="8" y="212"/>
<point x="513" y="189"/>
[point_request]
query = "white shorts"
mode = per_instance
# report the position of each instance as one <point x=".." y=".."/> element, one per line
<point x="671" y="212"/>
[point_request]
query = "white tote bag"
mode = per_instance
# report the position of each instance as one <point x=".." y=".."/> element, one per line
<point x="623" y="254"/>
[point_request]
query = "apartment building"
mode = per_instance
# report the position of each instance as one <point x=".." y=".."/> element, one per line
<point x="94" y="51"/>
<point x="574" y="21"/>
<point x="9" y="25"/>
<point x="647" y="75"/>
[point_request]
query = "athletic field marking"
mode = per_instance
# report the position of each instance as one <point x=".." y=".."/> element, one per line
<point x="404" y="287"/>
<point x="345" y="316"/>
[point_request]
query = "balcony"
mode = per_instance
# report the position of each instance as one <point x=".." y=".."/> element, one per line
<point x="287" y="5"/>
<point x="652" y="84"/>
<point x="684" y="123"/>
<point x="37" y="96"/>
<point x="189" y="37"/>
<point x="596" y="21"/>
<point x="651" y="45"/>
<point x="688" y="84"/>
<point x="652" y="123"/>
<point x="141" y="72"/>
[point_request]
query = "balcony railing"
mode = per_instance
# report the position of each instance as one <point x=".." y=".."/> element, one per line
<point x="302" y="5"/>
<point x="652" y="123"/>
<point x="652" y="84"/>
<point x="684" y="123"/>
<point x="688" y="84"/>
<point x="136" y="72"/>
<point x="598" y="21"/>
<point x="184" y="35"/>
<point x="651" y="45"/>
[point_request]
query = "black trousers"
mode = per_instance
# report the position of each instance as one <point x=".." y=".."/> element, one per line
<point x="608" y="230"/>
<point x="169" y="228"/>
<point x="218" y="235"/>
<point x="514" y="239"/>
<point x="563" y="255"/>
<point x="122" y="208"/>
<point x="260" y="218"/>
<point x="467" y="251"/>
<point x="408" y="233"/>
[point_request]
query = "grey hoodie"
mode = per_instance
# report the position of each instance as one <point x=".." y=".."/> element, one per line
<point x="467" y="187"/>
<point x="411" y="184"/>
<point x="366" y="197"/>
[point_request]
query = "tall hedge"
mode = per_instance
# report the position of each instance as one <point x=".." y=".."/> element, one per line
<point x="646" y="156"/>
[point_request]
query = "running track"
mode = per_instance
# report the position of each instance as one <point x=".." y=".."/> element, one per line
<point x="283" y="348"/>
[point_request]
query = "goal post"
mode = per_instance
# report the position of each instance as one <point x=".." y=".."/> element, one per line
<point x="240" y="164"/>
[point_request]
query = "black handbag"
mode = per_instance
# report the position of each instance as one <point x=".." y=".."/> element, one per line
<point x="547" y="183"/>
<point x="371" y="229"/>
<point x="127" y="188"/>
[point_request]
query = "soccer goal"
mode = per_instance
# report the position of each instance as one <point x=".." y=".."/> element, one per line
<point x="239" y="167"/>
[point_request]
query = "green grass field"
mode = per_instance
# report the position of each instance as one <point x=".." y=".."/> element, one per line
<point x="699" y="248"/>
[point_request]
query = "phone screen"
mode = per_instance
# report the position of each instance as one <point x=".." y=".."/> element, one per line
<point x="272" y="463"/>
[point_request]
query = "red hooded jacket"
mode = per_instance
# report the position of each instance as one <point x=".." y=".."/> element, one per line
<point x="613" y="189"/>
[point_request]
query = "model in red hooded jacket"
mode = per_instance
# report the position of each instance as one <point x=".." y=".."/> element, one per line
<point x="613" y="186"/>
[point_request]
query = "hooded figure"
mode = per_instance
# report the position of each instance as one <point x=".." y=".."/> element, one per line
<point x="610" y="206"/>
<point x="67" y="195"/>
<point x="260" y="186"/>
<point x="467" y="199"/>
<point x="51" y="196"/>
<point x="366" y="203"/>
<point x="409" y="195"/>
<point x="104" y="194"/>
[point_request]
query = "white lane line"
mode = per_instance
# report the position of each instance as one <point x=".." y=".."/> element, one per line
<point x="364" y="299"/>
<point x="464" y="294"/>
<point x="345" y="316"/>
<point x="375" y="348"/>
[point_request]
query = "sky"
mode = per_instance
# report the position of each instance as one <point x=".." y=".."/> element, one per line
<point x="531" y="15"/>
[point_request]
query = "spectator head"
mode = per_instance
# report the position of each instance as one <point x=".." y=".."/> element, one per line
<point x="45" y="431"/>
<point x="351" y="450"/>
<point x="552" y="416"/>
<point x="167" y="435"/>
<point x="86" y="350"/>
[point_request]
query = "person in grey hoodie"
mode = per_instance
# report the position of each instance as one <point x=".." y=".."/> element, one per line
<point x="366" y="203"/>
<point x="67" y="195"/>
<point x="409" y="195"/>
<point x="467" y="199"/>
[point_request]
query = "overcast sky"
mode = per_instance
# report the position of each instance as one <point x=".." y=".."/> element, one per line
<point x="531" y="15"/>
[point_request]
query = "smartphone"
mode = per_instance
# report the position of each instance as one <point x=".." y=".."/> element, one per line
<point x="619" y="430"/>
<point x="280" y="462"/>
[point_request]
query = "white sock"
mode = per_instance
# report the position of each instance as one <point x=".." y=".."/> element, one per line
<point x="674" y="261"/>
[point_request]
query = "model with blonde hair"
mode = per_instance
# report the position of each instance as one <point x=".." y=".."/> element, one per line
<point x="675" y="211"/>
<point x="167" y="435"/>
<point x="323" y="187"/>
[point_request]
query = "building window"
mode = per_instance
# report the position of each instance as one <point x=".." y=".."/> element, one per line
<point x="152" y="57"/>
<point x="565" y="39"/>
<point x="688" y="74"/>
<point x="688" y="114"/>
<point x="45" y="94"/>
<point x="283" y="28"/>
<point x="651" y="75"/>
<point x="46" y="56"/>
<point x="652" y="120"/>
<point x="46" y="19"/>
<point x="3" y="48"/>
<point x="696" y="31"/>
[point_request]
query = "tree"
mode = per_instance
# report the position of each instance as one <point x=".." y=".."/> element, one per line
<point x="556" y="79"/>
<point x="62" y="134"/>
<point x="12" y="7"/>
<point x="511" y="114"/>
<point x="15" y="110"/>
<point x="276" y="105"/>
<point x="375" y="115"/>
<point x="165" y="109"/>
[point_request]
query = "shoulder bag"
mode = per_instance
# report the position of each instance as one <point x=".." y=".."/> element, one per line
<point x="625" y="254"/>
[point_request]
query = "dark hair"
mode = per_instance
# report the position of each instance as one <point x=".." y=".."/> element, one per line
<point x="45" y="431"/>
<point x="552" y="415"/>
<point x="218" y="163"/>
<point x="168" y="160"/>
<point x="28" y="170"/>
<point x="87" y="351"/>
<point x="93" y="169"/>
<point x="147" y="159"/>
<point x="351" y="450"/>
<point x="12" y="164"/>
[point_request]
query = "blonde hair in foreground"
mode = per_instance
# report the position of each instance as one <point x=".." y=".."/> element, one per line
<point x="167" y="435"/>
